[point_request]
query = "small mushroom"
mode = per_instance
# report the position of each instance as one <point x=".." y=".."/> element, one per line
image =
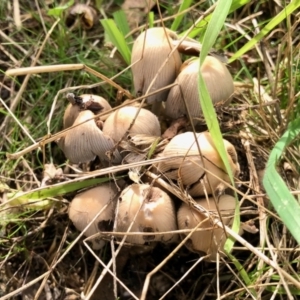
<point x="118" y="123"/>
<point x="190" y="168"/>
<point x="148" y="209"/>
<point x="211" y="238"/>
<point x="84" y="142"/>
<point x="86" y="205"/>
<point x="150" y="50"/>
<point x="90" y="102"/>
<point x="217" y="79"/>
<point x="86" y="13"/>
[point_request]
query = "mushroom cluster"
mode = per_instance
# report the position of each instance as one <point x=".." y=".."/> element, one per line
<point x="156" y="63"/>
<point x="142" y="213"/>
<point x="184" y="97"/>
<point x="198" y="166"/>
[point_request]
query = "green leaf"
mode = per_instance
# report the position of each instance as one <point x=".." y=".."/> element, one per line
<point x="283" y="201"/>
<point x="58" y="10"/>
<point x="287" y="10"/>
<point x="122" y="24"/>
<point x="213" y="29"/>
<point x="151" y="19"/>
<point x="242" y="272"/>
<point x="52" y="191"/>
<point x="184" y="5"/>
<point x="117" y="38"/>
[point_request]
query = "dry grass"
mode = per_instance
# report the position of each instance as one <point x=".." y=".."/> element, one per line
<point x="42" y="256"/>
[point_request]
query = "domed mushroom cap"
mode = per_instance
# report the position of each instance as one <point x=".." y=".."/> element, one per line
<point x="217" y="79"/>
<point x="84" y="142"/>
<point x="149" y="52"/>
<point x="154" y="212"/>
<point x="86" y="205"/>
<point x="190" y="168"/>
<point x="90" y="102"/>
<point x="119" y="122"/>
<point x="212" y="238"/>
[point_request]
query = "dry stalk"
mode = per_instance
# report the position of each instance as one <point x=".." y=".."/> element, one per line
<point x="183" y="277"/>
<point x="255" y="186"/>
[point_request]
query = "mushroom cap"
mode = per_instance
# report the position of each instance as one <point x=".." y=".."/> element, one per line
<point x="90" y="102"/>
<point x="212" y="239"/>
<point x="217" y="79"/>
<point x="84" y="142"/>
<point x="189" y="168"/>
<point x="154" y="211"/>
<point x="120" y="120"/>
<point x="70" y="115"/>
<point x="86" y="205"/>
<point x="150" y="50"/>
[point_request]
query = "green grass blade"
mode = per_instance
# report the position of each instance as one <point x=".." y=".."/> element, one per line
<point x="151" y="19"/>
<point x="58" y="10"/>
<point x="122" y="24"/>
<point x="242" y="272"/>
<point x="289" y="9"/>
<point x="283" y="201"/>
<point x="213" y="29"/>
<point x="117" y="38"/>
<point x="52" y="191"/>
<point x="202" y="25"/>
<point x="184" y="5"/>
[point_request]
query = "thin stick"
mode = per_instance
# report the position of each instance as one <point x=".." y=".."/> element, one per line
<point x="43" y="69"/>
<point x="61" y="68"/>
<point x="17" y="121"/>
<point x="184" y="275"/>
<point x="17" y="17"/>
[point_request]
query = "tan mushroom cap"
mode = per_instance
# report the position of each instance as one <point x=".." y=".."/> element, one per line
<point x="120" y="120"/>
<point x="84" y="142"/>
<point x="72" y="110"/>
<point x="189" y="168"/>
<point x="217" y="78"/>
<point x="86" y="205"/>
<point x="86" y="13"/>
<point x="154" y="212"/>
<point x="213" y="239"/>
<point x="149" y="52"/>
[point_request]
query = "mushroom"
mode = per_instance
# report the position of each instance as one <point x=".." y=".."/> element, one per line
<point x="150" y="51"/>
<point x="210" y="239"/>
<point x="146" y="209"/>
<point x="197" y="174"/>
<point x="88" y="204"/>
<point x="83" y="102"/>
<point x="118" y="123"/>
<point x="217" y="79"/>
<point x="84" y="142"/>
<point x="87" y="16"/>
